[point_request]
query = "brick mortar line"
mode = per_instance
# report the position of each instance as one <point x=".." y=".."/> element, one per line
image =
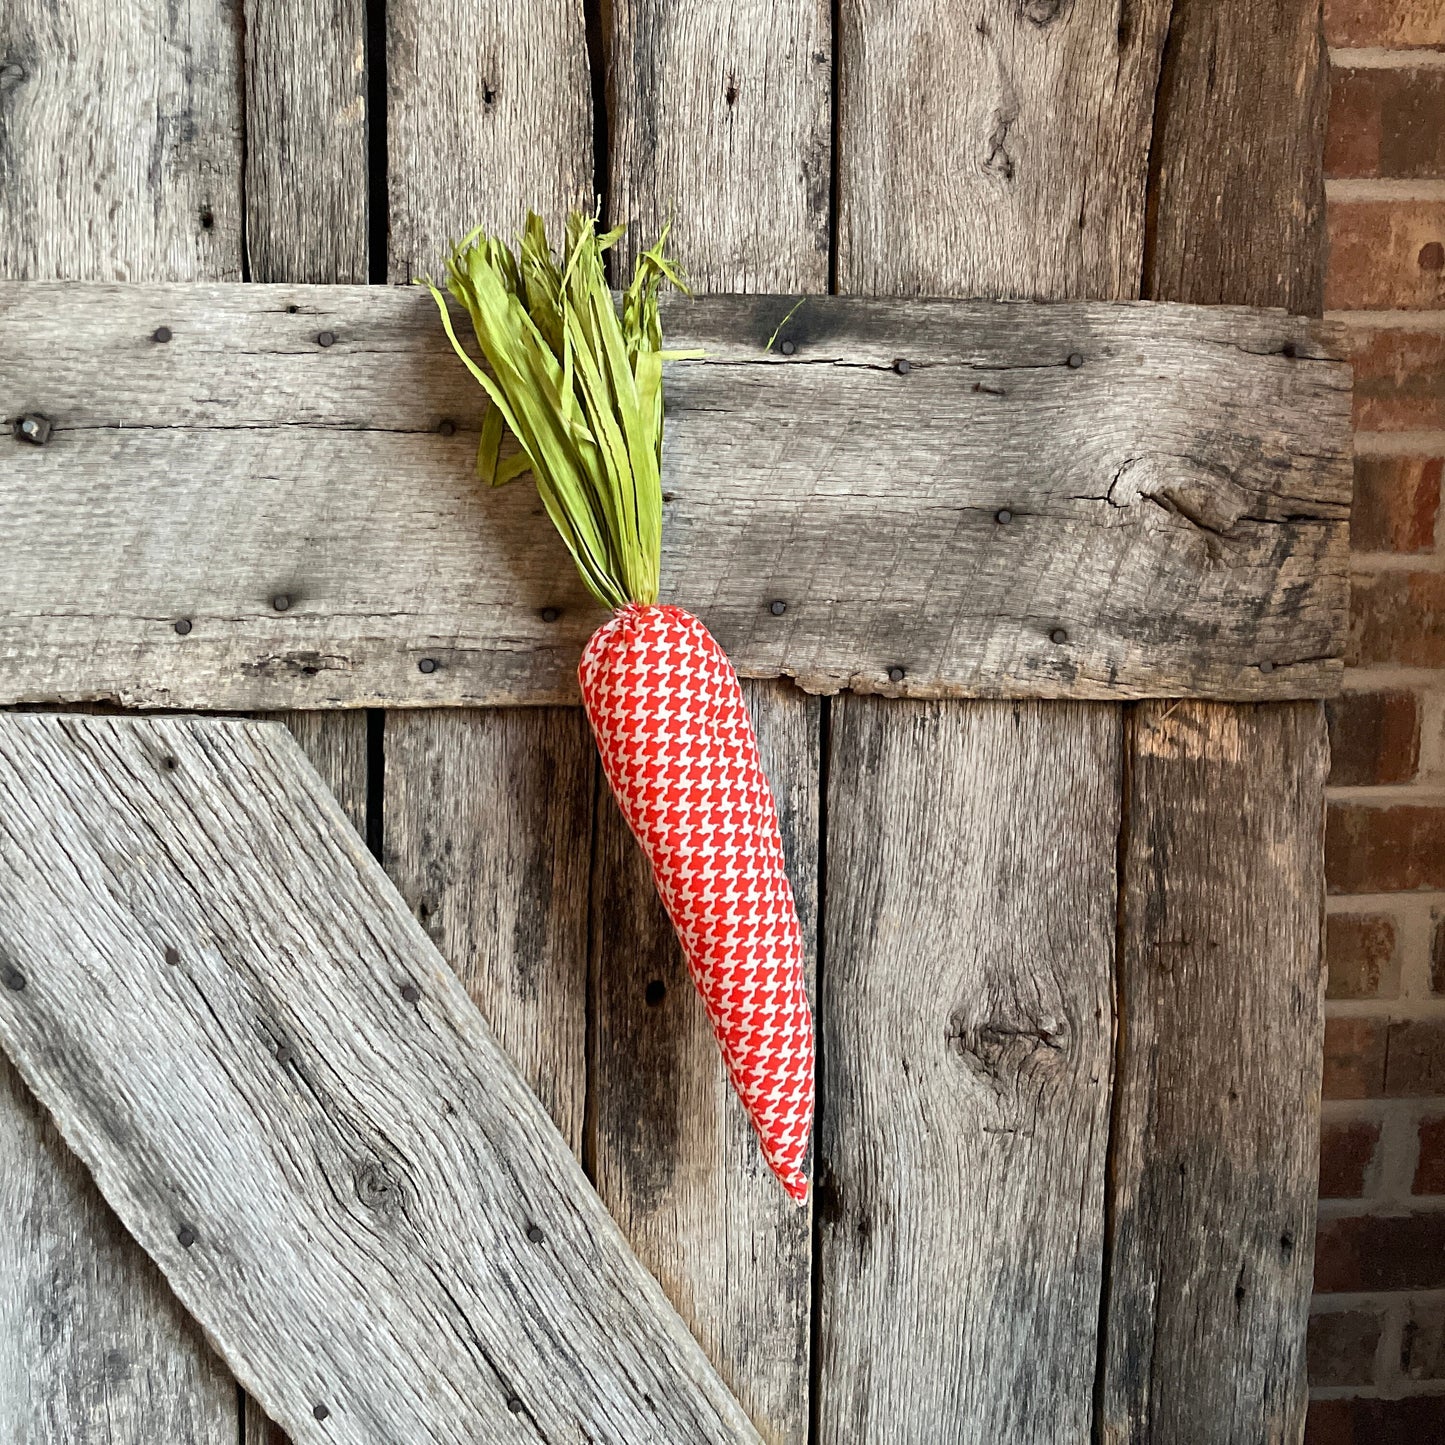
<point x="1381" y="57"/>
<point x="1373" y="679"/>
<point x="1399" y="443"/>
<point x="1426" y="794"/>
<point x="1419" y="901"/>
<point x="1382" y="189"/>
<point x="1377" y="563"/>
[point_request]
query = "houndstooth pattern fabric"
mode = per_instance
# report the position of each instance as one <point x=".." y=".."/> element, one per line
<point x="678" y="748"/>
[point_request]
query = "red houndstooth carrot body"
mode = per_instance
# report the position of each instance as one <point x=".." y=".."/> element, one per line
<point x="581" y="390"/>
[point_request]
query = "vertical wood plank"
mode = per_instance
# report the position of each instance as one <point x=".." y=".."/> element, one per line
<point x="675" y="1158"/>
<point x="120" y="159"/>
<point x="120" y="141"/>
<point x="719" y="121"/>
<point x="336" y="744"/>
<point x="488" y="838"/>
<point x="967" y="1043"/>
<point x="489" y="113"/>
<point x="1216" y="1138"/>
<point x="1220" y="969"/>
<point x="306" y="138"/>
<point x="1001" y="152"/>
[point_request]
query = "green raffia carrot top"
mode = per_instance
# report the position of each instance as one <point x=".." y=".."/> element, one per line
<point x="577" y="380"/>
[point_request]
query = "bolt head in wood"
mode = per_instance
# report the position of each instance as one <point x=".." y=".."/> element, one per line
<point x="161" y="334"/>
<point x="410" y="993"/>
<point x="171" y="954"/>
<point x="281" y="602"/>
<point x="777" y="608"/>
<point x="284" y="1053"/>
<point x="1058" y="636"/>
<point x="514" y="1404"/>
<point x="1076" y="360"/>
<point x="1003" y="516"/>
<point x="33" y="428"/>
<point x="896" y="674"/>
<point x="427" y="665"/>
<point x="326" y="338"/>
<point x="13" y="979"/>
<point x="534" y="1234"/>
<point x="447" y="427"/>
<point x="902" y="366"/>
<point x="550" y="614"/>
<point x="787" y="347"/>
<point x="185" y="1236"/>
<point x="183" y="626"/>
<point x="1266" y="667"/>
<point x="320" y="1411"/>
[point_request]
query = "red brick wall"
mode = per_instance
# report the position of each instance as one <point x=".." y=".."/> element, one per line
<point x="1377" y="1332"/>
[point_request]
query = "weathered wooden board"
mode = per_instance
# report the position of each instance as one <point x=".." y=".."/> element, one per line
<point x="121" y="155"/>
<point x="967" y="1043"/>
<point x="1221" y="996"/>
<point x="297" y="1111"/>
<point x="488" y="836"/>
<point x="1001" y="152"/>
<point x="1175" y="503"/>
<point x="719" y="122"/>
<point x="674" y="1156"/>
<point x="1204" y="1343"/>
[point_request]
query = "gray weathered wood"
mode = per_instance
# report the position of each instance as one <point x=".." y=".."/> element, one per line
<point x="967" y="1049"/>
<point x="998" y="152"/>
<point x="488" y="826"/>
<point x="335" y="742"/>
<point x="674" y="1156"/>
<point x="120" y="141"/>
<point x="345" y="1184"/>
<point x="489" y="112"/>
<point x="719" y="122"/>
<point x="306" y="137"/>
<point x="1220" y="970"/>
<point x="1216" y="1137"/>
<point x="120" y="160"/>
<point x="1177" y="502"/>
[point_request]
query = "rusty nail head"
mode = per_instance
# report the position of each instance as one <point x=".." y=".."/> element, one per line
<point x="777" y="608"/>
<point x="427" y="665"/>
<point x="902" y="366"/>
<point x="34" y="429"/>
<point x="1058" y="636"/>
<point x="447" y="427"/>
<point x="514" y="1404"/>
<point x="896" y="674"/>
<point x="787" y="347"/>
<point x="410" y="993"/>
<point x="183" y="625"/>
<point x="320" y="1411"/>
<point x="14" y="979"/>
<point x="534" y="1234"/>
<point x="1003" y="516"/>
<point x="161" y="333"/>
<point x="550" y="614"/>
<point x="1076" y="360"/>
<point x="186" y="1236"/>
<point x="171" y="954"/>
<point x="281" y="602"/>
<point x="326" y="338"/>
<point x="1266" y="666"/>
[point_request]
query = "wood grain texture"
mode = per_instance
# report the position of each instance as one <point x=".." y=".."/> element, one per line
<point x="489" y="113"/>
<point x="720" y="122"/>
<point x="1237" y="192"/>
<point x="1216" y="1130"/>
<point x="1220" y="967"/>
<point x="120" y="140"/>
<point x="674" y="1156"/>
<point x="335" y="743"/>
<point x="306" y="138"/>
<point x="120" y="160"/>
<point x="967" y="1052"/>
<point x="488" y="826"/>
<point x="998" y="153"/>
<point x="344" y="1183"/>
<point x="1177" y="502"/>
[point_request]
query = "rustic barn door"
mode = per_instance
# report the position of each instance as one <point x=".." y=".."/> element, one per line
<point x="1065" y="939"/>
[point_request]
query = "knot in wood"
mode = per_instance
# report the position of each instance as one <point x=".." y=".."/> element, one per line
<point x="1001" y="1051"/>
<point x="375" y="1187"/>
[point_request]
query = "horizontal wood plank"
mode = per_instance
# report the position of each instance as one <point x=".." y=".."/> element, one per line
<point x="276" y="507"/>
<point x="289" y="1100"/>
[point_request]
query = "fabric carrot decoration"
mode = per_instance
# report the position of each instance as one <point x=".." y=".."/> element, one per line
<point x="580" y="388"/>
